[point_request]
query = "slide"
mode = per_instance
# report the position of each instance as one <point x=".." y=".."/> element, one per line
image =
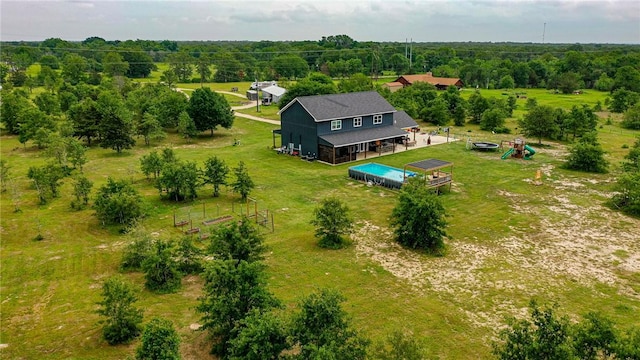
<point x="507" y="154"/>
<point x="531" y="152"/>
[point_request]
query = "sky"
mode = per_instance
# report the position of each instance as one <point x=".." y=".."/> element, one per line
<point x="558" y="21"/>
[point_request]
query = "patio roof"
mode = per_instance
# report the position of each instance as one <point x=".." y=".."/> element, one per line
<point x="365" y="135"/>
<point x="429" y="164"/>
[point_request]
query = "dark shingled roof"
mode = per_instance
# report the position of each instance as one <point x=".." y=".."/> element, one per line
<point x="364" y="135"/>
<point x="429" y="164"/>
<point x="340" y="106"/>
<point x="402" y="120"/>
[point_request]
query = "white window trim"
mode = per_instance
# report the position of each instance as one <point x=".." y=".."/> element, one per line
<point x="357" y="122"/>
<point x="377" y="119"/>
<point x="336" y="125"/>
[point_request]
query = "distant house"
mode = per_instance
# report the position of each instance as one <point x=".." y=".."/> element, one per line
<point x="272" y="94"/>
<point x="439" y="82"/>
<point x="393" y="86"/>
<point x="337" y="127"/>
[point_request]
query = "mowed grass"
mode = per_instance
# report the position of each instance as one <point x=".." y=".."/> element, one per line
<point x="50" y="287"/>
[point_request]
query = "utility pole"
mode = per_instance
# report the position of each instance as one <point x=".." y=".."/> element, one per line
<point x="411" y="54"/>
<point x="544" y="29"/>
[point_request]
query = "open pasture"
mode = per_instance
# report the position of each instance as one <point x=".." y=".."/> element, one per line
<point x="509" y="241"/>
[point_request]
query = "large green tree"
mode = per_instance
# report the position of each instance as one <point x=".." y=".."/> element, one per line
<point x="332" y="220"/>
<point x="85" y="118"/>
<point x="322" y="329"/>
<point x="117" y="202"/>
<point x="587" y="155"/>
<point x="160" y="341"/>
<point x="74" y="68"/>
<point x="180" y="180"/>
<point x="116" y="124"/>
<point x="215" y="173"/>
<point x="12" y="106"/>
<point x="122" y="323"/>
<point x="290" y="66"/>
<point x="418" y="218"/>
<point x="243" y="183"/>
<point x="233" y="290"/>
<point x="539" y="123"/>
<point x="209" y="110"/>
<point x="114" y="64"/>
<point x="160" y="270"/>
<point x="239" y="241"/>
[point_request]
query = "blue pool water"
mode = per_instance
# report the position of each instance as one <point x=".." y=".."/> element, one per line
<point x="383" y="171"/>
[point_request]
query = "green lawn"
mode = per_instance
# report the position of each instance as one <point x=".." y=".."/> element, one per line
<point x="509" y="241"/>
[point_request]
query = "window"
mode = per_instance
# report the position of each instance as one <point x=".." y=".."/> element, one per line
<point x="357" y="122"/>
<point x="336" y="125"/>
<point x="377" y="119"/>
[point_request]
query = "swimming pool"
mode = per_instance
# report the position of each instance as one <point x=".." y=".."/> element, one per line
<point x="380" y="174"/>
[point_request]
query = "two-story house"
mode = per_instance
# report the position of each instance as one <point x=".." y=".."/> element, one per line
<point x="337" y="127"/>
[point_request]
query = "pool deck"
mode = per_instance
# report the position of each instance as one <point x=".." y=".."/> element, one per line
<point x="420" y="142"/>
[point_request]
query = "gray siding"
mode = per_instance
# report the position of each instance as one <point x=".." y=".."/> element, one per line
<point x="298" y="127"/>
<point x="324" y="127"/>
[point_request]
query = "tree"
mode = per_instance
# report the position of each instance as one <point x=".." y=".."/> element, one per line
<point x="233" y="290"/>
<point x="81" y="189"/>
<point x="545" y="336"/>
<point x="215" y="173"/>
<point x="160" y="341"/>
<point x="160" y="270"/>
<point x="12" y="107"/>
<point x="580" y="121"/>
<point x="36" y="126"/>
<point x="85" y="118"/>
<point x="186" y="126"/>
<point x="627" y="77"/>
<point x="169" y="78"/>
<point x="539" y="122"/>
<point x="507" y="82"/>
<point x="149" y="128"/>
<point x="114" y="64"/>
<point x="243" y="183"/>
<point x="332" y="220"/>
<point x="477" y="106"/>
<point x="604" y="83"/>
<point x="203" y="68"/>
<point x="456" y="105"/>
<point x="188" y="256"/>
<point x="74" y="68"/>
<point x="237" y="241"/>
<point x="437" y="112"/>
<point x="151" y="164"/>
<point x="623" y="99"/>
<point x="49" y="61"/>
<point x="115" y="127"/>
<point x="322" y="329"/>
<point x="140" y="63"/>
<point x="209" y="110"/>
<point x="594" y="337"/>
<point x="627" y="196"/>
<point x="181" y="63"/>
<point x="632" y="162"/>
<point x="357" y="82"/>
<point x="290" y="66"/>
<point x="568" y="82"/>
<point x="137" y="250"/>
<point x="46" y="180"/>
<point x="631" y="119"/>
<point x="179" y="180"/>
<point x="261" y="336"/>
<point x="122" y="323"/>
<point x="587" y="155"/>
<point x="169" y="108"/>
<point x="398" y="63"/>
<point x="117" y="202"/>
<point x="76" y="153"/>
<point x="47" y="103"/>
<point x="492" y="119"/>
<point x="418" y="218"/>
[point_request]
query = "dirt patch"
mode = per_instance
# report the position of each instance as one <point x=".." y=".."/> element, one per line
<point x="566" y="243"/>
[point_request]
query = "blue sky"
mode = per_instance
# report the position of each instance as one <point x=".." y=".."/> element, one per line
<point x="585" y="21"/>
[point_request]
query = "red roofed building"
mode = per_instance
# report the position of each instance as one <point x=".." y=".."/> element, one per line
<point x="439" y="82"/>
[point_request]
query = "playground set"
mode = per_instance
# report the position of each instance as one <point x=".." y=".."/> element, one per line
<point x="184" y="218"/>
<point x="518" y="149"/>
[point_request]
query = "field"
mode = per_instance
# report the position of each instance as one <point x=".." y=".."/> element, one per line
<point x="510" y="240"/>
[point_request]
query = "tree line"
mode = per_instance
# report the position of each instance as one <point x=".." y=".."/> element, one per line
<point x="486" y="65"/>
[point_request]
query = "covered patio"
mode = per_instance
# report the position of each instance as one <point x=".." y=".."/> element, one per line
<point x="437" y="173"/>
